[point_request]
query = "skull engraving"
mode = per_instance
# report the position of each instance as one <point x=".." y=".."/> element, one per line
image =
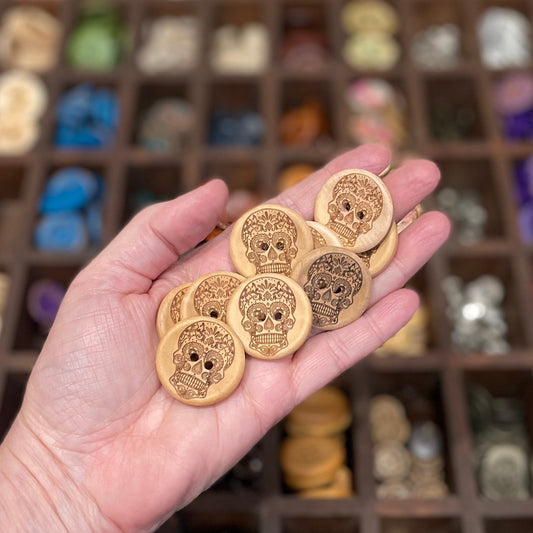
<point x="332" y="282"/>
<point x="212" y="295"/>
<point x="204" y="352"/>
<point x="357" y="203"/>
<point x="270" y="239"/>
<point x="318" y="239"/>
<point x="267" y="308"/>
<point x="366" y="257"/>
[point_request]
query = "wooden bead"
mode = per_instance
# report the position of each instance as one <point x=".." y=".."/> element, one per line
<point x="209" y="295"/>
<point x="269" y="239"/>
<point x="200" y="361"/>
<point x="323" y="236"/>
<point x="379" y="258"/>
<point x="357" y="206"/>
<point x="337" y="284"/>
<point x="271" y="315"/>
<point x="169" y="313"/>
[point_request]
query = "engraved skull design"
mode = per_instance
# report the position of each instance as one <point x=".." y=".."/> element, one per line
<point x="357" y="203"/>
<point x="204" y="352"/>
<point x="332" y="282"/>
<point x="267" y="308"/>
<point x="270" y="239"/>
<point x="212" y="295"/>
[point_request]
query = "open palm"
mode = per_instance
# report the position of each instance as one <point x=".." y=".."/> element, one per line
<point x="129" y="452"/>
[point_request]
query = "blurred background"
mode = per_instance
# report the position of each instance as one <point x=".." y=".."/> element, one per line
<point x="108" y="107"/>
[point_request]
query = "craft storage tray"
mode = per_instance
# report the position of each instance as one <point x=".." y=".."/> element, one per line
<point x="483" y="161"/>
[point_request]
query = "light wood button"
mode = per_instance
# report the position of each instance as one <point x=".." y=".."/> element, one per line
<point x="169" y="313"/>
<point x="269" y="239"/>
<point x="200" y="361"/>
<point x="209" y="295"/>
<point x="379" y="258"/>
<point x="337" y="284"/>
<point x="357" y="206"/>
<point x="271" y="315"/>
<point x="323" y="236"/>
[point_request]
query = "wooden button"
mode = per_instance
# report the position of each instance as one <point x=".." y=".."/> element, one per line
<point x="379" y="258"/>
<point x="323" y="236"/>
<point x="271" y="315"/>
<point x="169" y="313"/>
<point x="209" y="295"/>
<point x="339" y="488"/>
<point x="337" y="284"/>
<point x="269" y="239"/>
<point x="309" y="462"/>
<point x="408" y="219"/>
<point x="200" y="361"/>
<point x="357" y="206"/>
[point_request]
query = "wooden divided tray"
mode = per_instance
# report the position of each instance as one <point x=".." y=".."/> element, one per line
<point x="484" y="162"/>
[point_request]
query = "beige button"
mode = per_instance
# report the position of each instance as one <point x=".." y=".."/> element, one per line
<point x="271" y="315"/>
<point x="269" y="239"/>
<point x="337" y="284"/>
<point x="357" y="206"/>
<point x="379" y="258"/>
<point x="408" y="219"/>
<point x="309" y="462"/>
<point x="169" y="313"/>
<point x="323" y="236"/>
<point x="391" y="461"/>
<point x="200" y="361"/>
<point x="209" y="295"/>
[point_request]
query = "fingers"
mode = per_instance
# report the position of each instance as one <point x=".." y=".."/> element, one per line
<point x="415" y="247"/>
<point x="156" y="236"/>
<point x="327" y="355"/>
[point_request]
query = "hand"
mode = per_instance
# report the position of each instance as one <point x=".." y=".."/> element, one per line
<point x="99" y="443"/>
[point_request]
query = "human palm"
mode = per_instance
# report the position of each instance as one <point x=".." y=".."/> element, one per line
<point x="94" y="401"/>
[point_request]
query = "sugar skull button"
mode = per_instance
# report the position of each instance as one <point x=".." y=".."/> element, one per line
<point x="200" y="361"/>
<point x="323" y="236"/>
<point x="209" y="295"/>
<point x="357" y="206"/>
<point x="268" y="240"/>
<point x="169" y="313"/>
<point x="271" y="315"/>
<point x="337" y="284"/>
<point x="378" y="258"/>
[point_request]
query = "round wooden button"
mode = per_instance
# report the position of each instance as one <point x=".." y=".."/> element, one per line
<point x="209" y="295"/>
<point x="357" y="206"/>
<point x="200" y="361"/>
<point x="323" y="236"/>
<point x="337" y="284"/>
<point x="271" y="315"/>
<point x="169" y="312"/>
<point x="269" y="239"/>
<point x="340" y="487"/>
<point x="379" y="258"/>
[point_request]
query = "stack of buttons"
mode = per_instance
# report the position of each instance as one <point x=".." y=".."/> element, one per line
<point x="467" y="212"/>
<point x="502" y="451"/>
<point x="437" y="47"/>
<point x="23" y="101"/>
<point x="87" y="118"/>
<point x="513" y="98"/>
<point x="236" y="128"/>
<point x="42" y="302"/>
<point x="377" y="113"/>
<point x="305" y="125"/>
<point x="408" y="461"/>
<point x="304" y="43"/>
<point x="166" y="126"/>
<point x="505" y="38"/>
<point x="29" y="39"/>
<point x="99" y="40"/>
<point x="71" y="211"/>
<point x="371" y="26"/>
<point x="313" y="456"/>
<point x="240" y="49"/>
<point x="171" y="46"/>
<point x="523" y="193"/>
<point x="5" y="284"/>
<point x="475" y="310"/>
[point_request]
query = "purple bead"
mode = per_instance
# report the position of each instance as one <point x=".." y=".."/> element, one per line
<point x="43" y="301"/>
<point x="525" y="221"/>
<point x="519" y="126"/>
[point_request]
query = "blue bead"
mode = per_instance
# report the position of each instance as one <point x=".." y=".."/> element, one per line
<point x="93" y="216"/>
<point x="61" y="232"/>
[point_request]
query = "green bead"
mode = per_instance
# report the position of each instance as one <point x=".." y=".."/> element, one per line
<point x="92" y="46"/>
